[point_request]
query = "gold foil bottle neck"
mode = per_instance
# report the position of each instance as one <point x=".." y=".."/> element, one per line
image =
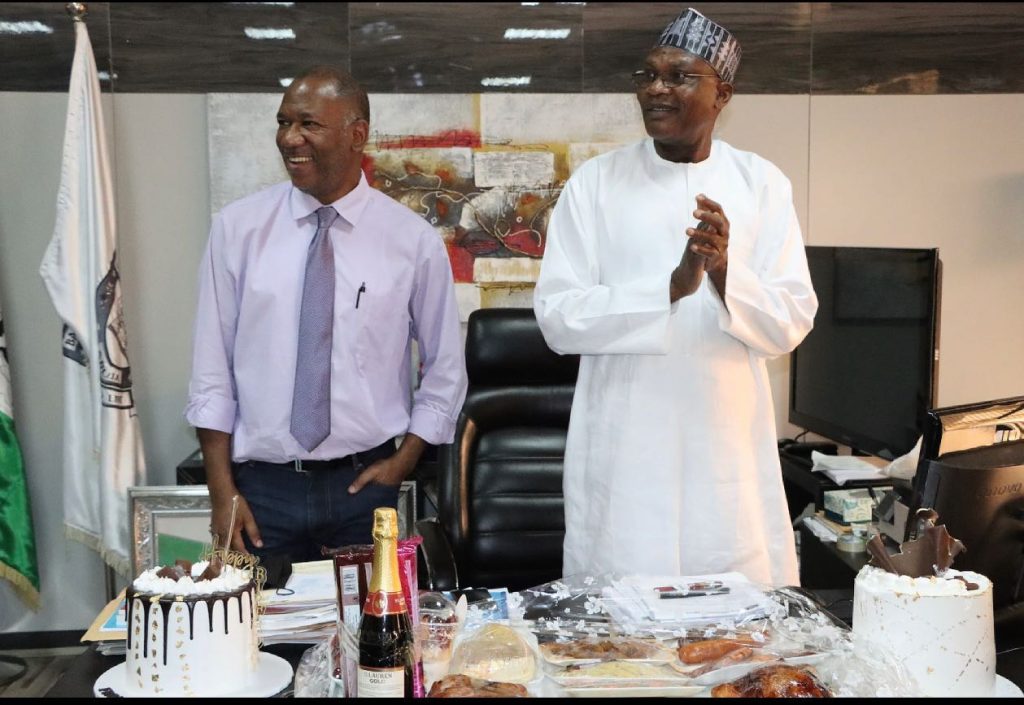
<point x="385" y="576"/>
<point x="385" y="524"/>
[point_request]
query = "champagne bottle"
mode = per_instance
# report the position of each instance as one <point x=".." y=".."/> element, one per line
<point x="386" y="658"/>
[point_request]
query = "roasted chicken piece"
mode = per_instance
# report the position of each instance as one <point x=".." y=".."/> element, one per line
<point x="744" y="654"/>
<point x="457" y="685"/>
<point x="777" y="681"/>
<point x="703" y="650"/>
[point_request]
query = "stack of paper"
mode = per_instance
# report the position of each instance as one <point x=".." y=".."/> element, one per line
<point x="638" y="600"/>
<point x="843" y="468"/>
<point x="112" y="648"/>
<point x="305" y="610"/>
<point x="825" y="532"/>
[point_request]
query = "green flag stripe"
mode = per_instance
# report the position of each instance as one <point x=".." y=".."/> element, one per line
<point x="17" y="539"/>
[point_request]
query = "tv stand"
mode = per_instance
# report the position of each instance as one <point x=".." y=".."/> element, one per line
<point x="804" y="450"/>
<point x="804" y="486"/>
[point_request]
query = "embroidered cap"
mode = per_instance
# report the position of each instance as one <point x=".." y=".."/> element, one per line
<point x="694" y="33"/>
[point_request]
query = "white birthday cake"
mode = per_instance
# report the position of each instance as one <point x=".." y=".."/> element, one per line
<point x="940" y="629"/>
<point x="191" y="635"/>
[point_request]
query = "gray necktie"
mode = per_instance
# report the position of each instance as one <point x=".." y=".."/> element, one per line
<point x="311" y="400"/>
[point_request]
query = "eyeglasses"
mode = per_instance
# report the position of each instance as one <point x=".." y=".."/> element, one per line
<point x="673" y="79"/>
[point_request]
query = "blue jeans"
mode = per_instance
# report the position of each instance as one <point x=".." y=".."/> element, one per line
<point x="298" y="513"/>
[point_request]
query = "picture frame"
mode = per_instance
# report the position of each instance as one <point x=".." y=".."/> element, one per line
<point x="172" y="521"/>
<point x="169" y="517"/>
<point x="407" y="509"/>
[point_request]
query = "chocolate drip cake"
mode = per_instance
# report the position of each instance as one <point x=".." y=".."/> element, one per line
<point x="192" y="630"/>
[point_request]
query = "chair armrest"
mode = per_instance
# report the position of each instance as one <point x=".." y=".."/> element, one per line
<point x="437" y="570"/>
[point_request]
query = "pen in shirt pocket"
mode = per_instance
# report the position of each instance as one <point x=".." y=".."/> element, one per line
<point x="362" y="290"/>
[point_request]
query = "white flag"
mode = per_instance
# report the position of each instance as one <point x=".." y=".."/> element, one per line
<point x="102" y="444"/>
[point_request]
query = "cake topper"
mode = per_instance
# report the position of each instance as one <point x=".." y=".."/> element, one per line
<point x="931" y="554"/>
<point x="217" y="558"/>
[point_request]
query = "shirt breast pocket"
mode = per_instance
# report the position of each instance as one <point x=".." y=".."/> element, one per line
<point x="382" y="325"/>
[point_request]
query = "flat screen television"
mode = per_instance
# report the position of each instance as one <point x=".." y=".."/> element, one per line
<point x="866" y="373"/>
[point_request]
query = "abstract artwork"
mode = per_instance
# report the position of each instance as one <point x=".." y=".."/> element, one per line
<point x="507" y="218"/>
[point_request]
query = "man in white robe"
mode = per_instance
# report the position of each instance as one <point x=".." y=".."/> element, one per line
<point x="671" y="463"/>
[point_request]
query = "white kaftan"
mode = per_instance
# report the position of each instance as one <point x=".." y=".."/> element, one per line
<point x="671" y="463"/>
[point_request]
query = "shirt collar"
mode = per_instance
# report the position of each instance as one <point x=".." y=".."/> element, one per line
<point x="350" y="206"/>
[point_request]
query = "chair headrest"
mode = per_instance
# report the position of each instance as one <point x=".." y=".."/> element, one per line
<point x="504" y="346"/>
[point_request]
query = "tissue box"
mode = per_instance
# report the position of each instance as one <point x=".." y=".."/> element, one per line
<point x="849" y="506"/>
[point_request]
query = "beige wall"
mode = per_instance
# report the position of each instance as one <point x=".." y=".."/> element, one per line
<point x="935" y="171"/>
<point x="913" y="171"/>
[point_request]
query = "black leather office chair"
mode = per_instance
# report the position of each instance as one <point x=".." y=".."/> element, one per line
<point x="500" y="483"/>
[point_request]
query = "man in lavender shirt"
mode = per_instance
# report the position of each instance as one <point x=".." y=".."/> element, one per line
<point x="392" y="285"/>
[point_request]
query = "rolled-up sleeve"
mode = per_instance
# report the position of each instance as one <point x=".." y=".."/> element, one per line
<point x="442" y="390"/>
<point x="212" y="398"/>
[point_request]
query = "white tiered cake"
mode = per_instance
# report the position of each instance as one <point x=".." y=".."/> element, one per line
<point x="192" y="637"/>
<point x="940" y="629"/>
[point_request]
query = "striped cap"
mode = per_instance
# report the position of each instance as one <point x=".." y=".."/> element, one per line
<point x="694" y="33"/>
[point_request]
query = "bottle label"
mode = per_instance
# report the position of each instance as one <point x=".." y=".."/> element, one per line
<point x="348" y="578"/>
<point x="381" y="603"/>
<point x="381" y="682"/>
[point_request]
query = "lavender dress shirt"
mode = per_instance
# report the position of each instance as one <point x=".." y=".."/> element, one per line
<point x="386" y="258"/>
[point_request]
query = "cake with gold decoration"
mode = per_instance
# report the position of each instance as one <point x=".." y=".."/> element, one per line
<point x="192" y="629"/>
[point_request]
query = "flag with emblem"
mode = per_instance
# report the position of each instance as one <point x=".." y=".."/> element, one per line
<point x="18" y="564"/>
<point x="102" y="444"/>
